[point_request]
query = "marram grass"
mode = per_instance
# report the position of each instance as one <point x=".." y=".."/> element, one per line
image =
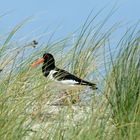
<point x="123" y="88"/>
<point x="111" y="112"/>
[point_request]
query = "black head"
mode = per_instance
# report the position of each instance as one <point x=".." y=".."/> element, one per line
<point x="48" y="56"/>
<point x="49" y="62"/>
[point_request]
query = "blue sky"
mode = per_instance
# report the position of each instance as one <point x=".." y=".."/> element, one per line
<point x="65" y="15"/>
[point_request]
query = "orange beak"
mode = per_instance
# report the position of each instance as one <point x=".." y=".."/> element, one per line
<point x="41" y="60"/>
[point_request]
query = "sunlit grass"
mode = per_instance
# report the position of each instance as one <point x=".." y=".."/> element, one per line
<point x="111" y="112"/>
<point x="123" y="87"/>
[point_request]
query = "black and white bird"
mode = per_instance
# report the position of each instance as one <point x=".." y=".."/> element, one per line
<point x="60" y="76"/>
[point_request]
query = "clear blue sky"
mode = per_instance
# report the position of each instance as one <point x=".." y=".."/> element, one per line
<point x="68" y="15"/>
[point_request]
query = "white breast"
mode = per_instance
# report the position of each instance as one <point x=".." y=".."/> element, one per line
<point x="68" y="82"/>
<point x="50" y="76"/>
<point x="65" y="82"/>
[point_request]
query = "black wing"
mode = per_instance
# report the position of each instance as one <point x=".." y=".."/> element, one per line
<point x="64" y="75"/>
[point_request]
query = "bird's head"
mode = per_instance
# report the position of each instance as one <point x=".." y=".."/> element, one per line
<point x="47" y="60"/>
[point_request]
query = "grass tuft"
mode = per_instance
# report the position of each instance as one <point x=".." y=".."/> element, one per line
<point x="26" y="97"/>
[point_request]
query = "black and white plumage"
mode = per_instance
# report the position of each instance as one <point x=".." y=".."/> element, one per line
<point x="59" y="75"/>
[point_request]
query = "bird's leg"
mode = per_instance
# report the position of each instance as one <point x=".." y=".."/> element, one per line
<point x="63" y="94"/>
<point x="61" y="98"/>
<point x="65" y="97"/>
<point x="68" y="97"/>
<point x="74" y="97"/>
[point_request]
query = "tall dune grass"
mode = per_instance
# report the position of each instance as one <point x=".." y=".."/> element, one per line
<point x="123" y="87"/>
<point x="112" y="112"/>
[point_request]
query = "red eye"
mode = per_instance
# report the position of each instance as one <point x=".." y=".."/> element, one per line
<point x="46" y="56"/>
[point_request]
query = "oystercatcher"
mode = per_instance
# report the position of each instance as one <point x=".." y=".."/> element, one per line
<point x="59" y="75"/>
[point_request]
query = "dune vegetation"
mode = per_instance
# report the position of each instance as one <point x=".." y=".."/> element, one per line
<point x="111" y="112"/>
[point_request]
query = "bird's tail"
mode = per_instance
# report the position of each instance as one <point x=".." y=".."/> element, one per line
<point x="94" y="87"/>
<point x="91" y="85"/>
